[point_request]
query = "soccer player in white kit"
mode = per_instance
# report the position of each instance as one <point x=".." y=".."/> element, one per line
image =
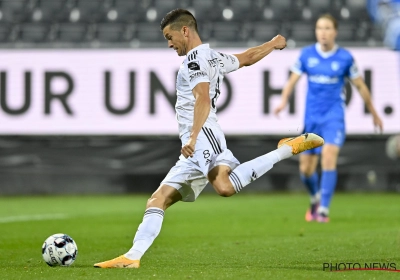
<point x="204" y="154"/>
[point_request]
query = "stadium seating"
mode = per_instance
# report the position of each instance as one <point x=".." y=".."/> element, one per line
<point x="71" y="32"/>
<point x="303" y="31"/>
<point x="346" y="31"/>
<point x="124" y="21"/>
<point x="263" y="29"/>
<point x="149" y="32"/>
<point x="319" y="7"/>
<point x="111" y="32"/>
<point x="33" y="32"/>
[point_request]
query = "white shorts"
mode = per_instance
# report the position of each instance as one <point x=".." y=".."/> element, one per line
<point x="189" y="175"/>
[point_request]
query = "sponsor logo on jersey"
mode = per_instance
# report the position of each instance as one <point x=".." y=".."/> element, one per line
<point x="312" y="62"/>
<point x="193" y="66"/>
<point x="197" y="75"/>
<point x="322" y="79"/>
<point x="214" y="62"/>
<point x="335" y="65"/>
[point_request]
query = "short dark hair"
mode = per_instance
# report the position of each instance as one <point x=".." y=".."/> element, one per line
<point x="178" y="18"/>
<point x="331" y="18"/>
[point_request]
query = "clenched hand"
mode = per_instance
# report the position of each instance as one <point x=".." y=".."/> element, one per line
<point x="279" y="41"/>
<point x="189" y="148"/>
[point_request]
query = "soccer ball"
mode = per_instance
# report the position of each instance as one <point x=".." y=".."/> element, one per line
<point x="59" y="249"/>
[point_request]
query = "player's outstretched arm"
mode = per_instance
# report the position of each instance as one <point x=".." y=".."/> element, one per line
<point x="366" y="96"/>
<point x="255" y="54"/>
<point x="201" y="112"/>
<point x="286" y="92"/>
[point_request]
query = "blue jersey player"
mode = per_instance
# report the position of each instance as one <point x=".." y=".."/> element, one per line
<point x="327" y="66"/>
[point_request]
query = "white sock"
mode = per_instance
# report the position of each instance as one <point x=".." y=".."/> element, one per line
<point x="315" y="198"/>
<point x="323" y="210"/>
<point x="249" y="171"/>
<point x="148" y="231"/>
<point x="284" y="152"/>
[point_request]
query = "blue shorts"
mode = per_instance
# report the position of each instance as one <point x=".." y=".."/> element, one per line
<point x="332" y="131"/>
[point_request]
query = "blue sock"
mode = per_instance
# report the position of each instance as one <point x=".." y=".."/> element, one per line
<point x="311" y="183"/>
<point x="328" y="184"/>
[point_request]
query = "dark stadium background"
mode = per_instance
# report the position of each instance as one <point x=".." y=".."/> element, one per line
<point x="60" y="164"/>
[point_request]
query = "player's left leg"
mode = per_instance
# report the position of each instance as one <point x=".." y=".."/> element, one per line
<point x="329" y="156"/>
<point x="333" y="132"/>
<point x="164" y="197"/>
<point x="227" y="182"/>
<point x="148" y="230"/>
<point x="309" y="176"/>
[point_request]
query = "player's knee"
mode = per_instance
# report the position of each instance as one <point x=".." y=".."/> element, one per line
<point x="306" y="169"/>
<point x="328" y="164"/>
<point x="329" y="158"/>
<point x="156" y="200"/>
<point x="226" y="192"/>
<point x="224" y="189"/>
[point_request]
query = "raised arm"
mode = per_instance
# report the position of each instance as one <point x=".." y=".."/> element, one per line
<point x="255" y="54"/>
<point x="287" y="91"/>
<point x="201" y="112"/>
<point x="366" y="96"/>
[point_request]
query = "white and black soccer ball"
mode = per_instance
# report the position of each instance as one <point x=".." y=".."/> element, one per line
<point x="59" y="249"/>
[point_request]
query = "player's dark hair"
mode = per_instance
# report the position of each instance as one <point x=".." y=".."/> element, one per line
<point x="178" y="18"/>
<point x="331" y="18"/>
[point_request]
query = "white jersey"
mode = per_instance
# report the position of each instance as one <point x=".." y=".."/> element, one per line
<point x="202" y="64"/>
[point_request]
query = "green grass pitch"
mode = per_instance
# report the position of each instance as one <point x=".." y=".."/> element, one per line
<point x="244" y="237"/>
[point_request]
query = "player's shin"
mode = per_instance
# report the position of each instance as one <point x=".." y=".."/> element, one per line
<point x="311" y="183"/>
<point x="249" y="171"/>
<point x="148" y="231"/>
<point x="328" y="184"/>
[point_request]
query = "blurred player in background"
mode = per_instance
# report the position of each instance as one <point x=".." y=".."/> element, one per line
<point x="204" y="154"/>
<point x="393" y="147"/>
<point x="386" y="13"/>
<point x="327" y="65"/>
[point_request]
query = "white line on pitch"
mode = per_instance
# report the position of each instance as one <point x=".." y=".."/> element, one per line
<point x="27" y="218"/>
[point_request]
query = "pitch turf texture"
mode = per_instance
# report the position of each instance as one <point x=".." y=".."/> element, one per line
<point x="243" y="237"/>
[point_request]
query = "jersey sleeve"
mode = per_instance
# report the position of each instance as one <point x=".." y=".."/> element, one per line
<point x="299" y="66"/>
<point x="229" y="62"/>
<point x="198" y="70"/>
<point x="353" y="72"/>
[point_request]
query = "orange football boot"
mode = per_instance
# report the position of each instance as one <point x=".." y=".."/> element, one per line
<point x="304" y="142"/>
<point x="119" y="262"/>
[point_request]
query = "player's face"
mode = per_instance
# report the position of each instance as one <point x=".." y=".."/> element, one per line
<point x="325" y="32"/>
<point x="175" y="39"/>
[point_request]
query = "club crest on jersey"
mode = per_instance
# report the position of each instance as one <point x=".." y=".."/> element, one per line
<point x="193" y="66"/>
<point x="335" y="65"/>
<point x="312" y="62"/>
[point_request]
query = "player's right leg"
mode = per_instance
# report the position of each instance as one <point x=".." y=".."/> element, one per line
<point x="148" y="230"/>
<point x="309" y="176"/>
<point x="329" y="158"/>
<point x="228" y="181"/>
<point x="333" y="132"/>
